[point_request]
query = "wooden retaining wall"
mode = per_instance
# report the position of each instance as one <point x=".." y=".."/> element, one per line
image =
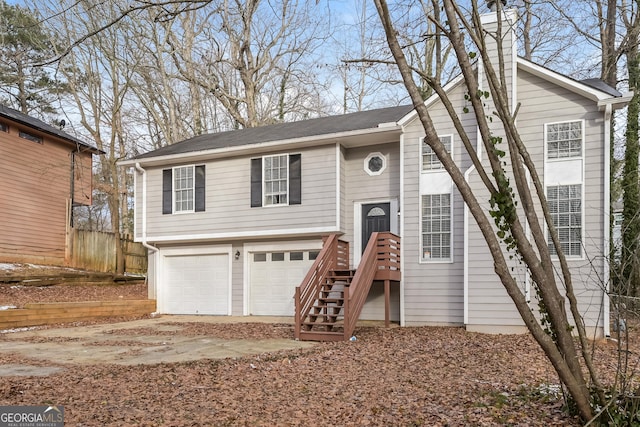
<point x="37" y="314"/>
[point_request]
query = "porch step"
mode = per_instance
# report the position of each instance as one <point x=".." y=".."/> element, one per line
<point x="321" y="336"/>
<point x="334" y="300"/>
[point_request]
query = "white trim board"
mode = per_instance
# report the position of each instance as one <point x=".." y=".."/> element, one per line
<point x="357" y="224"/>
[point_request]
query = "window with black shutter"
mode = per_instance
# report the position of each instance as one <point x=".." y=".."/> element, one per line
<point x="276" y="180"/>
<point x="183" y="189"/>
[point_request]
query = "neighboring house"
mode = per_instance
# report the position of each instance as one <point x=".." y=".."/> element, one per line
<point x="238" y="217"/>
<point x="43" y="173"/>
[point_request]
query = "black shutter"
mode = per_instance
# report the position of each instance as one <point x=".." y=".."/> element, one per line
<point x="295" y="179"/>
<point x="256" y="182"/>
<point x="167" y="189"/>
<point x="200" y="189"/>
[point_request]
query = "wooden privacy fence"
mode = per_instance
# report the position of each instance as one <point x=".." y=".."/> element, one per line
<point x="96" y="251"/>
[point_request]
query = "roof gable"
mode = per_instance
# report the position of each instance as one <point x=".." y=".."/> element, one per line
<point x="593" y="89"/>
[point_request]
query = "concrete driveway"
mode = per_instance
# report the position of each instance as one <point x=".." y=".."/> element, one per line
<point x="159" y="342"/>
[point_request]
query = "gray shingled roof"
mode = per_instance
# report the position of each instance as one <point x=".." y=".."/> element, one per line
<point x="282" y="131"/>
<point x="602" y="86"/>
<point x="34" y="123"/>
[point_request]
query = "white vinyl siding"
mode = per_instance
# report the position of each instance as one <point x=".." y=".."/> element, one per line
<point x="429" y="159"/>
<point x="276" y="182"/>
<point x="183" y="189"/>
<point x="564" y="140"/>
<point x="432" y="289"/>
<point x="228" y="184"/>
<point x="436" y="227"/>
<point x="565" y="205"/>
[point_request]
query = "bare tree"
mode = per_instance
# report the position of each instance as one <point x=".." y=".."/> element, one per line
<point x="253" y="57"/>
<point x="98" y="74"/>
<point x="503" y="227"/>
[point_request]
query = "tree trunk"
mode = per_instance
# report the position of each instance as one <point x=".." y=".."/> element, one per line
<point x="631" y="192"/>
<point x="558" y="345"/>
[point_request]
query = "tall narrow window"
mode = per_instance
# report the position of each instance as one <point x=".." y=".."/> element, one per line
<point x="276" y="181"/>
<point x="565" y="206"/>
<point x="436" y="227"/>
<point x="564" y="140"/>
<point x="429" y="159"/>
<point x="4" y="127"/>
<point x="183" y="189"/>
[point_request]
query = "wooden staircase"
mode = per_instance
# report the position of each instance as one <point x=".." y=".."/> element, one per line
<point x="331" y="297"/>
<point x="327" y="312"/>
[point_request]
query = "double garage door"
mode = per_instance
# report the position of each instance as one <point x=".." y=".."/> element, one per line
<point x="200" y="283"/>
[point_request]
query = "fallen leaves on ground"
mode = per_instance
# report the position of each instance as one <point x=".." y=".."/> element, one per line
<point x="400" y="376"/>
<point x="421" y="376"/>
<point x="19" y="295"/>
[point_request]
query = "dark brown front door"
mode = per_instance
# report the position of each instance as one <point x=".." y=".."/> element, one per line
<point x="375" y="217"/>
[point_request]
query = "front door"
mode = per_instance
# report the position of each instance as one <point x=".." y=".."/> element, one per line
<point x="375" y="217"/>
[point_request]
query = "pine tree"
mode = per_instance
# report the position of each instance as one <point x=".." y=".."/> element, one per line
<point x="25" y="84"/>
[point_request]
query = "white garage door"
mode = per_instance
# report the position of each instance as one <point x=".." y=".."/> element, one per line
<point x="273" y="280"/>
<point x="195" y="284"/>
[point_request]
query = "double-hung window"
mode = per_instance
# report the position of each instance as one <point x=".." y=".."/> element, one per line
<point x="429" y="159"/>
<point x="183" y="189"/>
<point x="565" y="206"/>
<point x="276" y="180"/>
<point x="436" y="227"/>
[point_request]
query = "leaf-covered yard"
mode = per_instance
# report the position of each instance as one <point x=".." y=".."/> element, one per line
<point x="399" y="376"/>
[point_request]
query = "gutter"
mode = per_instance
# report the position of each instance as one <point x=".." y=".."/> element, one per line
<point x="307" y="141"/>
<point x="143" y="172"/>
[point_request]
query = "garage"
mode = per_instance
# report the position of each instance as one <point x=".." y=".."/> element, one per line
<point x="273" y="278"/>
<point x="195" y="283"/>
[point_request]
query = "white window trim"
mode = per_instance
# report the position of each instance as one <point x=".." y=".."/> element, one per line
<point x="576" y="177"/>
<point x="582" y="221"/>
<point x="421" y="148"/>
<point x="394" y="216"/>
<point x="371" y="156"/>
<point x="173" y="190"/>
<point x="264" y="182"/>
<point x="449" y="260"/>
<point x="546" y="142"/>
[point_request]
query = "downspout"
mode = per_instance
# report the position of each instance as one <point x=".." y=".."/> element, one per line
<point x="401" y="228"/>
<point x="152" y="292"/>
<point x="465" y="279"/>
<point x="72" y="189"/>
<point x="467" y="175"/>
<point x="607" y="216"/>
<point x="143" y="172"/>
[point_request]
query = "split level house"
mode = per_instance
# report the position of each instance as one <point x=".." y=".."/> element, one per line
<point x="236" y="220"/>
<point x="44" y="172"/>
